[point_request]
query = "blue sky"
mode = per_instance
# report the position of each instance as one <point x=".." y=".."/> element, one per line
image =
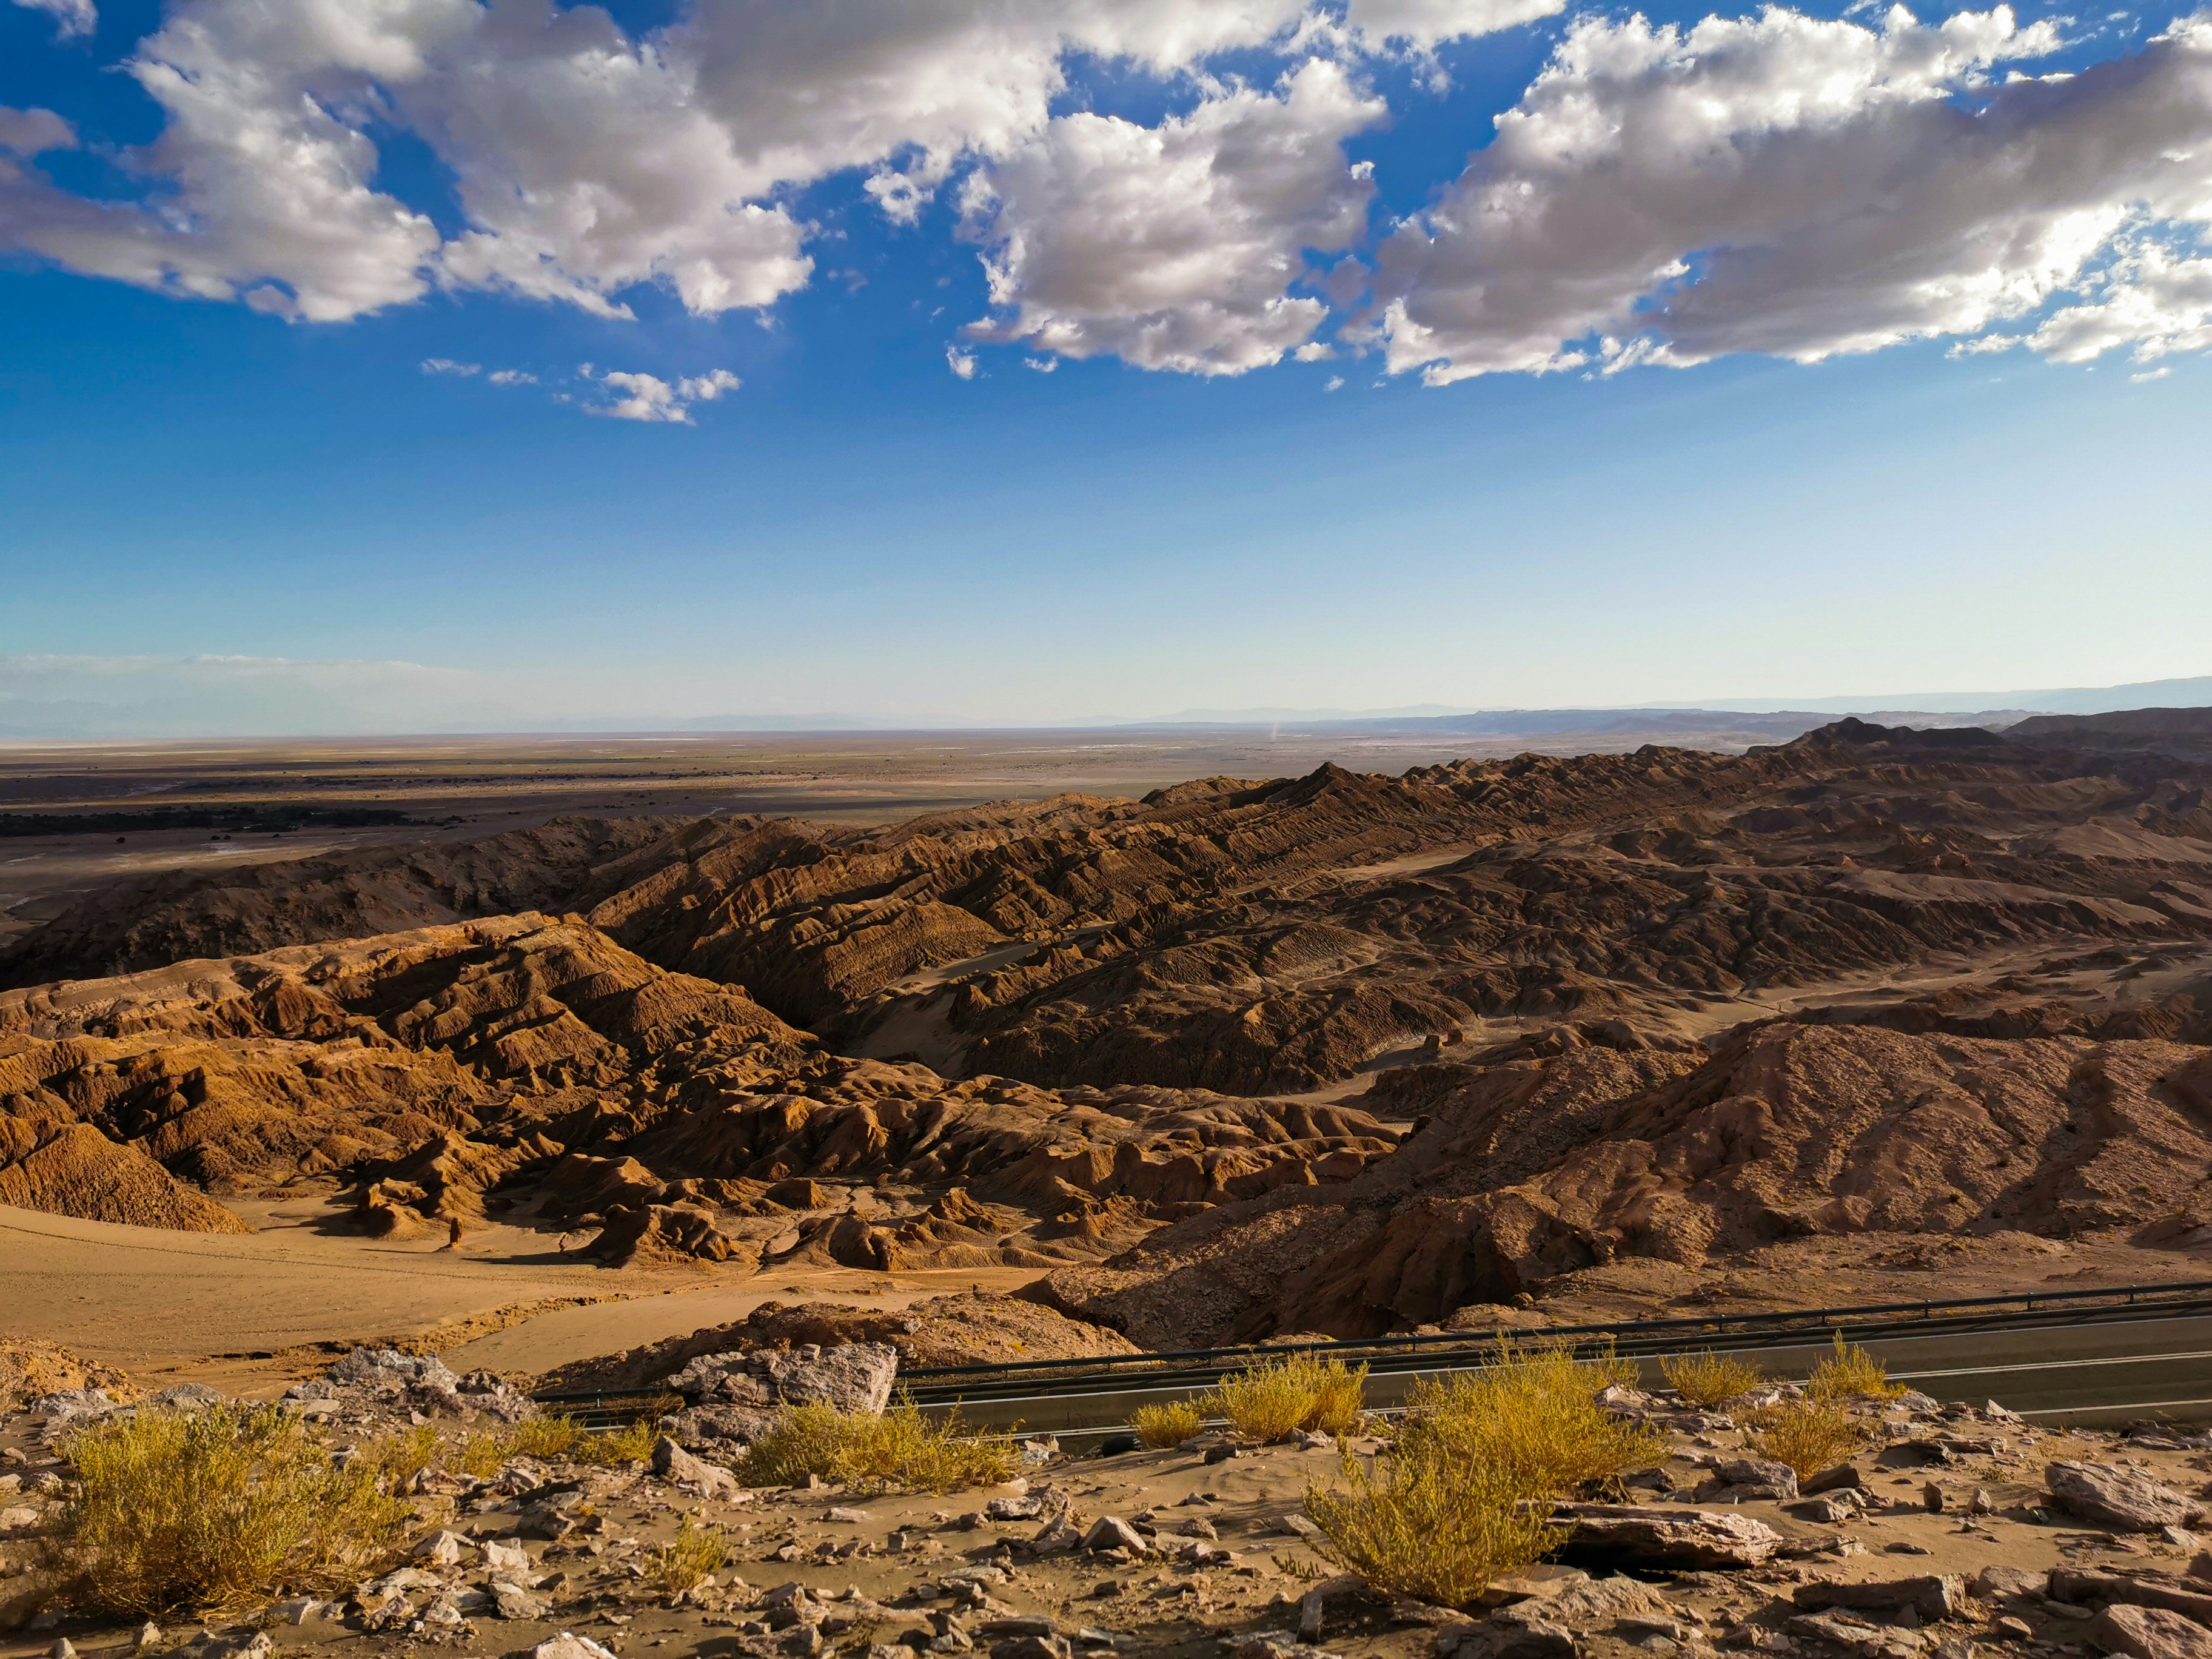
<point x="1903" y="413"/>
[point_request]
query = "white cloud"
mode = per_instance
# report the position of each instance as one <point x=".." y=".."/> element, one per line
<point x="962" y="363"/>
<point x="2150" y="298"/>
<point x="2150" y="375"/>
<point x="588" y="162"/>
<point x="33" y="131"/>
<point x="448" y="366"/>
<point x="1774" y="183"/>
<point x="1802" y="187"/>
<point x="512" y="377"/>
<point x="1421" y="24"/>
<point x="648" y="397"/>
<point x="72" y="18"/>
<point x="1335" y="383"/>
<point x="1041" y="365"/>
<point x="1175" y="247"/>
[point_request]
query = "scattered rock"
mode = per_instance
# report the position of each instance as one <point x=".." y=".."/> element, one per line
<point x="679" y="1467"/>
<point x="2126" y="1500"/>
<point x="854" y="1378"/>
<point x="1999" y="1583"/>
<point x="2076" y="1588"/>
<point x="1855" y="1636"/>
<point x="1111" y="1533"/>
<point x="1649" y="1536"/>
<point x="442" y="1548"/>
<point x="1503" y="1637"/>
<point x="1930" y="1597"/>
<point x="567" y="1646"/>
<point x="2150" y="1633"/>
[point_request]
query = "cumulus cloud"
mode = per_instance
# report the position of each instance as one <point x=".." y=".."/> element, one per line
<point x="512" y="377"/>
<point x="72" y="18"/>
<point x="586" y="162"/>
<point x="1774" y="183"/>
<point x="2151" y="298"/>
<point x="1175" y="246"/>
<point x="1802" y="188"/>
<point x="648" y="397"/>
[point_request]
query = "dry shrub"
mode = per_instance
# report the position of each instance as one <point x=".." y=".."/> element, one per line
<point x="549" y="1437"/>
<point x="901" y="1452"/>
<point x="1810" y="1436"/>
<point x="398" y="1458"/>
<point x="480" y="1456"/>
<point x="1532" y="1414"/>
<point x="1168" y="1425"/>
<point x="1460" y="1499"/>
<point x="630" y="1444"/>
<point x="1428" y="1526"/>
<point x="1851" y="1372"/>
<point x="214" y="1512"/>
<point x="1707" y="1379"/>
<point x="1279" y="1397"/>
<point x="686" y="1560"/>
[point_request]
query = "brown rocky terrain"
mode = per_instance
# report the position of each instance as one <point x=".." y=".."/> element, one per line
<point x="538" y="1065"/>
<point x="1341" y="1053"/>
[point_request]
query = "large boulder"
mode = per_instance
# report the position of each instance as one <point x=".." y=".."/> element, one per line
<point x="2150" y="1633"/>
<point x="2126" y="1500"/>
<point x="374" y="1384"/>
<point x="854" y="1378"/>
<point x="1930" y="1597"/>
<point x="679" y="1467"/>
<point x="1631" y="1535"/>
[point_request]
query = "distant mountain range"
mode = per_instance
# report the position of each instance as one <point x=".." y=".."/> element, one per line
<point x="1955" y="707"/>
<point x="76" y="699"/>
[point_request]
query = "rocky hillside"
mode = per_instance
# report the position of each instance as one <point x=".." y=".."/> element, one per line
<point x="537" y="1065"/>
<point x="1343" y="1053"/>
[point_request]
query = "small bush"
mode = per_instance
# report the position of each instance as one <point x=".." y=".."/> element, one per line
<point x="1428" y="1527"/>
<point x="214" y="1512"/>
<point x="902" y="1450"/>
<point x="1851" y="1372"/>
<point x="1532" y="1415"/>
<point x="398" y="1458"/>
<point x="631" y="1444"/>
<point x="1810" y="1436"/>
<point x="1279" y="1397"/>
<point x="480" y="1456"/>
<point x="550" y="1437"/>
<point x="1707" y="1379"/>
<point x="1168" y="1425"/>
<point x="685" y="1559"/>
<point x="1460" y="1498"/>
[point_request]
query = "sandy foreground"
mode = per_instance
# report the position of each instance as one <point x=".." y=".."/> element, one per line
<point x="249" y="1314"/>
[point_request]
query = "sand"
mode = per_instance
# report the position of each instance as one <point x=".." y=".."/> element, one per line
<point x="249" y="1314"/>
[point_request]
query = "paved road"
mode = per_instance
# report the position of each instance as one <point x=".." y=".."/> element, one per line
<point x="2086" y="1371"/>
